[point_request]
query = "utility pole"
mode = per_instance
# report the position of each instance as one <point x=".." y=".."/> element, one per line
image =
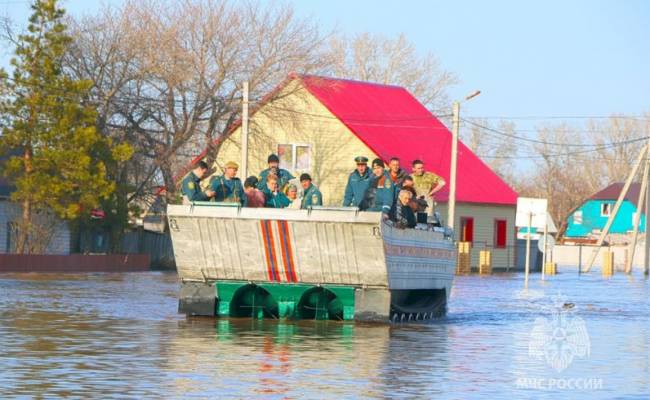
<point x="455" y="127"/>
<point x="244" y="132"/>
<point x="527" y="271"/>
<point x="646" y="258"/>
<point x="642" y="155"/>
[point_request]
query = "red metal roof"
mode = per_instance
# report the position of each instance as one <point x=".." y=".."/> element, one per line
<point x="392" y="123"/>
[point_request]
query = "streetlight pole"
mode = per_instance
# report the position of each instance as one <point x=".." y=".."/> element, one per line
<point x="455" y="128"/>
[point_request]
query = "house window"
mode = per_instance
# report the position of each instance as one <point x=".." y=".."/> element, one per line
<point x="295" y="157"/>
<point x="577" y="217"/>
<point x="500" y="228"/>
<point x="466" y="229"/>
<point x="605" y="209"/>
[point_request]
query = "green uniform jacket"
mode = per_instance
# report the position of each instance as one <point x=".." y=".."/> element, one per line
<point x="380" y="195"/>
<point x="279" y="200"/>
<point x="311" y="197"/>
<point x="228" y="190"/>
<point x="191" y="187"/>
<point x="284" y="177"/>
<point x="356" y="188"/>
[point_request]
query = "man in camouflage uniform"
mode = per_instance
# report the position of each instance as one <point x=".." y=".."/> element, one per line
<point x="191" y="185"/>
<point x="283" y="175"/>
<point x="311" y="195"/>
<point x="426" y="184"/>
<point x="228" y="188"/>
<point x="358" y="183"/>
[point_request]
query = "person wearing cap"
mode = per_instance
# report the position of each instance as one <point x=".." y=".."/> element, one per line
<point x="311" y="196"/>
<point x="380" y="195"/>
<point x="358" y="183"/>
<point x="254" y="197"/>
<point x="274" y="198"/>
<point x="191" y="185"/>
<point x="228" y="188"/>
<point x="283" y="175"/>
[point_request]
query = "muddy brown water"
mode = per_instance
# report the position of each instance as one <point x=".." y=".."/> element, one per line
<point x="119" y="336"/>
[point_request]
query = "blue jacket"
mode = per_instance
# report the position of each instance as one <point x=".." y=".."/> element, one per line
<point x="380" y="195"/>
<point x="279" y="200"/>
<point x="191" y="187"/>
<point x="284" y="177"/>
<point x="311" y="197"/>
<point x="356" y="188"/>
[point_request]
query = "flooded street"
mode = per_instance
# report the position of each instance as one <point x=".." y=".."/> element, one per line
<point x="118" y="335"/>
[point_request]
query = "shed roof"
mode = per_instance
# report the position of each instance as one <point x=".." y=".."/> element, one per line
<point x="392" y="123"/>
<point x="612" y="192"/>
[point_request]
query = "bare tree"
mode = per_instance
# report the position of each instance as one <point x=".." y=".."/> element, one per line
<point x="395" y="61"/>
<point x="493" y="145"/>
<point x="168" y="74"/>
<point x="572" y="163"/>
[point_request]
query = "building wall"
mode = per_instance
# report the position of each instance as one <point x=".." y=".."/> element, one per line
<point x="59" y="244"/>
<point x="484" y="231"/>
<point x="592" y="220"/>
<point x="299" y="118"/>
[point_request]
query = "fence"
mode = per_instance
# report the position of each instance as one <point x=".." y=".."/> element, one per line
<point x="157" y="245"/>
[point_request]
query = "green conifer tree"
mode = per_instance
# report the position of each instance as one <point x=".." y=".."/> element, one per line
<point x="57" y="159"/>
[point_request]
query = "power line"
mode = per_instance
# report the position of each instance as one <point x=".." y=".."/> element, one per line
<point x="511" y="136"/>
<point x="532" y="117"/>
<point x="540" y="156"/>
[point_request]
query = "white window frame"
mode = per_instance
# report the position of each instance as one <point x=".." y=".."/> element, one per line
<point x="602" y="209"/>
<point x="577" y="217"/>
<point x="294" y="160"/>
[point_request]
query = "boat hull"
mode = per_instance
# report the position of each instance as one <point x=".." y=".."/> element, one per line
<point x="308" y="264"/>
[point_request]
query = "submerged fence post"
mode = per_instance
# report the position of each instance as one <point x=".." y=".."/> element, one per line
<point x="579" y="259"/>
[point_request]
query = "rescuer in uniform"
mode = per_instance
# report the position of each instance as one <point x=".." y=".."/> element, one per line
<point x="380" y="196"/>
<point x="311" y="196"/>
<point x="228" y="188"/>
<point x="283" y="175"/>
<point x="358" y="183"/>
<point x="191" y="185"/>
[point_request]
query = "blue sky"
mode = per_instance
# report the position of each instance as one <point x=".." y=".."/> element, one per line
<point x="543" y="58"/>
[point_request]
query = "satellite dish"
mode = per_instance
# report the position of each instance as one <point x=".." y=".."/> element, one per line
<point x="540" y="243"/>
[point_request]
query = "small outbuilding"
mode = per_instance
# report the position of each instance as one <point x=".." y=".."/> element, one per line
<point x="588" y="220"/>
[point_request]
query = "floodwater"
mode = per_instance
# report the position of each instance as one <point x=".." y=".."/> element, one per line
<point x="119" y="336"/>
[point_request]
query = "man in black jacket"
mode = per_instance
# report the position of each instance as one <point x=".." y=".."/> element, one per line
<point x="401" y="213"/>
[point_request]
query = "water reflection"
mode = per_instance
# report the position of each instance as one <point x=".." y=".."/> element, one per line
<point x="118" y="335"/>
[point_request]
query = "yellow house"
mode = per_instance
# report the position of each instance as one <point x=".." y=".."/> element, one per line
<point x="319" y="125"/>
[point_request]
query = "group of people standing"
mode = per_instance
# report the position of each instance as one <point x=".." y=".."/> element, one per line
<point x="272" y="189"/>
<point x="389" y="190"/>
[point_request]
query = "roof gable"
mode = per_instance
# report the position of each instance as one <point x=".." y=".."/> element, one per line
<point x="611" y="193"/>
<point x="391" y="122"/>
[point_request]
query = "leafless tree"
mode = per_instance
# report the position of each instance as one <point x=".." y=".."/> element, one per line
<point x="492" y="145"/>
<point x="381" y="59"/>
<point x="572" y="163"/>
<point x="168" y="74"/>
